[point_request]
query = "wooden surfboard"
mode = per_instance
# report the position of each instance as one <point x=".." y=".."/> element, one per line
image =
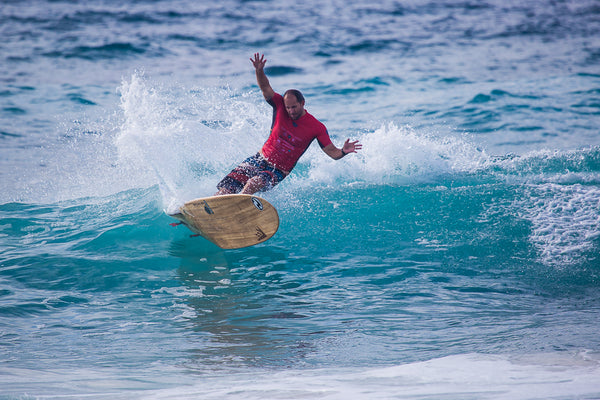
<point x="230" y="221"/>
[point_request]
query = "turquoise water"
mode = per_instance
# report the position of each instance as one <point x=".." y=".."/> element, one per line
<point x="455" y="257"/>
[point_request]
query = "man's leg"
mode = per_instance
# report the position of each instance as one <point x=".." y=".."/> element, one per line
<point x="253" y="185"/>
<point x="223" y="191"/>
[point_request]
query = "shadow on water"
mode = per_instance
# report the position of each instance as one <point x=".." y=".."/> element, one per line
<point x="239" y="305"/>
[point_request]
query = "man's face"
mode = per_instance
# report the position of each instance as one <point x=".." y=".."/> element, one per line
<point x="294" y="109"/>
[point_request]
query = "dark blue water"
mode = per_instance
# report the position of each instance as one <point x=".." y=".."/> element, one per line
<point x="457" y="256"/>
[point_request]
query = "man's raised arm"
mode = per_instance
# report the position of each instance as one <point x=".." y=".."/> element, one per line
<point x="263" y="82"/>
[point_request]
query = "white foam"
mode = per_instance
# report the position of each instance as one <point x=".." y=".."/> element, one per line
<point x="469" y="376"/>
<point x="183" y="139"/>
<point x="458" y="377"/>
<point x="395" y="154"/>
<point x="565" y="220"/>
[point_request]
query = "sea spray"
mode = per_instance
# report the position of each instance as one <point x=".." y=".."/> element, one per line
<point x="189" y="138"/>
<point x="399" y="154"/>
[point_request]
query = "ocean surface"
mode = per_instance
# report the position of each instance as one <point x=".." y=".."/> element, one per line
<point x="456" y="257"/>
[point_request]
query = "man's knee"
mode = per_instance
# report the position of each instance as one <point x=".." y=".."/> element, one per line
<point x="254" y="185"/>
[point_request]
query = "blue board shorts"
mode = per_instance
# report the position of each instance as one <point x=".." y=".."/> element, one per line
<point x="255" y="165"/>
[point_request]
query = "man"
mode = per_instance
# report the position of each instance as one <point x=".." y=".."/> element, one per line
<point x="293" y="129"/>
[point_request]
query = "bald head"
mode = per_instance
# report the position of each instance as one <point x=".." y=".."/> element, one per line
<point x="294" y="103"/>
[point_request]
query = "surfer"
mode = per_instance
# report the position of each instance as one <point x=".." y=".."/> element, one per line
<point x="292" y="130"/>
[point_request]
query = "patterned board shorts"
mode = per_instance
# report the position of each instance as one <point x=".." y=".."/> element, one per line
<point x="255" y="165"/>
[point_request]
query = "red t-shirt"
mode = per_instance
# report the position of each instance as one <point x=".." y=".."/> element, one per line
<point x="290" y="138"/>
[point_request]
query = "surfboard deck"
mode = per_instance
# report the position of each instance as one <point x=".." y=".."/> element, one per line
<point x="231" y="221"/>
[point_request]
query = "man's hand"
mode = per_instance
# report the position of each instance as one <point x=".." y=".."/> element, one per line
<point x="258" y="61"/>
<point x="351" y="147"/>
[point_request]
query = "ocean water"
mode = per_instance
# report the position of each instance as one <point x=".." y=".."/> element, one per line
<point x="457" y="256"/>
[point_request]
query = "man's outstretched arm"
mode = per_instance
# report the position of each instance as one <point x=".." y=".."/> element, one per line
<point x="259" y="62"/>
<point x="348" y="147"/>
